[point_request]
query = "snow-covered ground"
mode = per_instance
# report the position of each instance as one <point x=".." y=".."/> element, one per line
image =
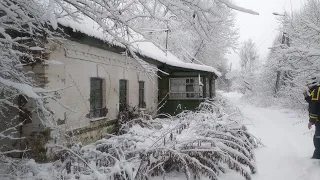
<point x="286" y="154"/>
<point x="288" y="143"/>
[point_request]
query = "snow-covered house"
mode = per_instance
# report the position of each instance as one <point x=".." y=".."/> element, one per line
<point x="96" y="81"/>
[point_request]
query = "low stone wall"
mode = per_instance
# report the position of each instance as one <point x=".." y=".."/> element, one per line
<point x="36" y="142"/>
<point x="94" y="132"/>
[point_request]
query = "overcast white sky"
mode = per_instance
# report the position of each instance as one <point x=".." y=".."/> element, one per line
<point x="261" y="29"/>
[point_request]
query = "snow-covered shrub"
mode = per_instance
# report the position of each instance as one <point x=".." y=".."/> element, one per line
<point x="204" y="143"/>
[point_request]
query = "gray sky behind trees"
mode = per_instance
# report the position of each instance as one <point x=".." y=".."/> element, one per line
<point x="261" y="29"/>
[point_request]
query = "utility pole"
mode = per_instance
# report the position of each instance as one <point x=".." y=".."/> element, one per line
<point x="279" y="72"/>
<point x="167" y="38"/>
<point x="229" y="84"/>
<point x="284" y="40"/>
<point x="167" y="34"/>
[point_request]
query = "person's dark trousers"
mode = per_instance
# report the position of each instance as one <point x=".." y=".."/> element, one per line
<point x="316" y="142"/>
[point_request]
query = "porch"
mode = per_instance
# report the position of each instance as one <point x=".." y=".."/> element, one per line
<point x="184" y="89"/>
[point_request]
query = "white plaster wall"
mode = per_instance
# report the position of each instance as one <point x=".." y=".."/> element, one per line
<point x="80" y="62"/>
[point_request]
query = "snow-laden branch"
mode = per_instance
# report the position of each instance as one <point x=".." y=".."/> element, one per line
<point x="233" y="6"/>
<point x="23" y="88"/>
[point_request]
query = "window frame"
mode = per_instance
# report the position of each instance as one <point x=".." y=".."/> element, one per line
<point x="142" y="104"/>
<point x="123" y="106"/>
<point x="99" y="110"/>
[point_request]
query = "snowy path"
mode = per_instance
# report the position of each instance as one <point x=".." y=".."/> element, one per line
<point x="288" y="145"/>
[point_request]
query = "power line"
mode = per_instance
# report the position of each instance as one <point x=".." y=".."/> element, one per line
<point x="257" y="41"/>
<point x="285" y="4"/>
<point x="266" y="38"/>
<point x="291" y="8"/>
<point x="260" y="38"/>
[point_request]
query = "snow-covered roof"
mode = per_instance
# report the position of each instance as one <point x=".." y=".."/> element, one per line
<point x="144" y="48"/>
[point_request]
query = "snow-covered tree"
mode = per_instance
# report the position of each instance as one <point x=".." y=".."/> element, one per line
<point x="23" y="31"/>
<point x="248" y="56"/>
<point x="300" y="51"/>
<point x="222" y="37"/>
<point x="269" y="70"/>
<point x="246" y="78"/>
<point x="294" y="57"/>
<point x="193" y="47"/>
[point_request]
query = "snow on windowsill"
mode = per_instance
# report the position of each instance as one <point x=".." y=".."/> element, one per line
<point x="98" y="119"/>
<point x="199" y="98"/>
<point x="53" y="62"/>
<point x="36" y="48"/>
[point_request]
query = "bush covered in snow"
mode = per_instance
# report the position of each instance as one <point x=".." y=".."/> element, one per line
<point x="204" y="143"/>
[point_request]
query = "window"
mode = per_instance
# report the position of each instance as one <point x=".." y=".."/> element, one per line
<point x="122" y="94"/>
<point x="142" y="103"/>
<point x="185" y="88"/>
<point x="190" y="88"/>
<point x="96" y="98"/>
